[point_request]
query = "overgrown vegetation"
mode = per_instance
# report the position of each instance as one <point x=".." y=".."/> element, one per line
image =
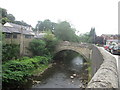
<point x="51" y="41"/>
<point x="38" y="48"/>
<point x="62" y="30"/>
<point x="89" y="37"/>
<point x="16" y="72"/>
<point x="65" y="32"/>
<point x="10" y="51"/>
<point x="45" y="46"/>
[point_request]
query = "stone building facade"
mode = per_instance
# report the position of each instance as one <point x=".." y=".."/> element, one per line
<point x="18" y="34"/>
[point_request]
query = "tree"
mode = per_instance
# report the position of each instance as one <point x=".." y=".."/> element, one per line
<point x="11" y="17"/>
<point x="38" y="47"/>
<point x="89" y="37"/>
<point x="21" y="23"/>
<point x="63" y="31"/>
<point x="3" y="12"/>
<point x="51" y="41"/>
<point x="4" y="20"/>
<point x="10" y="51"/>
<point x="93" y="35"/>
<point x="45" y="25"/>
<point x="85" y="37"/>
<point x="5" y="17"/>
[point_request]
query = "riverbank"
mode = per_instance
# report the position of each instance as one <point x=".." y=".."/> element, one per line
<point x="17" y="72"/>
<point x="36" y="74"/>
<point x="66" y="73"/>
<point x="41" y="70"/>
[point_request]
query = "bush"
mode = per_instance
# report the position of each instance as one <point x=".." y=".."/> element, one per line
<point x="38" y="47"/>
<point x="51" y="42"/>
<point x="10" y="51"/>
<point x="17" y="71"/>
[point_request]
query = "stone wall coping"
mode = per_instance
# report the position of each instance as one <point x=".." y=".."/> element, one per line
<point x="107" y="75"/>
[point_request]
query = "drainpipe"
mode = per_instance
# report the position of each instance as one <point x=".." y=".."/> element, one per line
<point x="21" y="42"/>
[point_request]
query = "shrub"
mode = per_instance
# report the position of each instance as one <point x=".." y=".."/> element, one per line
<point x="38" y="47"/>
<point x="10" y="51"/>
<point x="17" y="71"/>
<point x="51" y="42"/>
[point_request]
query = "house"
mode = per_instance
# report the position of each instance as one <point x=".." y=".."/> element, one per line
<point x="110" y="38"/>
<point x="40" y="35"/>
<point x="18" y="34"/>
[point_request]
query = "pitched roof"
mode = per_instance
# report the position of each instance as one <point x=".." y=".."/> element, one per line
<point x="40" y="35"/>
<point x="14" y="28"/>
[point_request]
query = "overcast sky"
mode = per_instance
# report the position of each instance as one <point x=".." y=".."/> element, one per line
<point x="82" y="14"/>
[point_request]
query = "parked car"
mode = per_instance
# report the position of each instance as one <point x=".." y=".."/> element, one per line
<point x="115" y="50"/>
<point x="106" y="47"/>
<point x="110" y="48"/>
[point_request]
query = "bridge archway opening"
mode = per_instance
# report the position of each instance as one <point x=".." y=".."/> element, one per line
<point x="63" y="54"/>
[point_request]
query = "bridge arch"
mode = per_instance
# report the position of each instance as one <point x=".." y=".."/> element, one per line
<point x="79" y="48"/>
<point x="72" y="50"/>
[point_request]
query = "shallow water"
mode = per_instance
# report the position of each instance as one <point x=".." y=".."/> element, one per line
<point x="59" y="76"/>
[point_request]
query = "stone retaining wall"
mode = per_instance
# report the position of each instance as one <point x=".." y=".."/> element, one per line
<point x="107" y="75"/>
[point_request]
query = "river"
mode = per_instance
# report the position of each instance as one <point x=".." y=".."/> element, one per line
<point x="68" y="72"/>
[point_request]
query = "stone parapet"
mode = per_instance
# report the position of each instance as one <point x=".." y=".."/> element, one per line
<point x="107" y="75"/>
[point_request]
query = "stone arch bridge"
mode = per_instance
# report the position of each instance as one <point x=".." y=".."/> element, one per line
<point x="104" y="69"/>
<point x="83" y="49"/>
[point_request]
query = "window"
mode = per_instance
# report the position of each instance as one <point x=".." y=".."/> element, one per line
<point x="7" y="35"/>
<point x="27" y="36"/>
<point x="14" y="35"/>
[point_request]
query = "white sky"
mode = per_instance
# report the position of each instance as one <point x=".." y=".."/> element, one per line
<point x="82" y="14"/>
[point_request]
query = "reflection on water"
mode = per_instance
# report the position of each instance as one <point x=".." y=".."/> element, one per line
<point x="77" y="64"/>
<point x="67" y="73"/>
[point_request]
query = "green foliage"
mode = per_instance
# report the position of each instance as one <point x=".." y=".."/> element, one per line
<point x="51" y="41"/>
<point x="89" y="37"/>
<point x="17" y="71"/>
<point x="85" y="38"/>
<point x="21" y="23"/>
<point x="10" y="51"/>
<point x="38" y="47"/>
<point x="44" y="47"/>
<point x="10" y="17"/>
<point x="45" y="25"/>
<point x="5" y="17"/>
<point x="3" y="13"/>
<point x="93" y="35"/>
<point x="49" y="36"/>
<point x="63" y="31"/>
<point x="4" y="20"/>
